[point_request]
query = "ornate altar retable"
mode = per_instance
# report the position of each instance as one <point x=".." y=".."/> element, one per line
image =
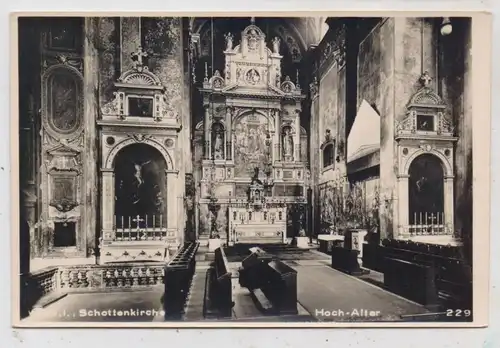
<point x="258" y="220"/>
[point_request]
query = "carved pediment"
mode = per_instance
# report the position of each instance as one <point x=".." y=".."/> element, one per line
<point x="64" y="157"/>
<point x="139" y="93"/>
<point x="425" y="114"/>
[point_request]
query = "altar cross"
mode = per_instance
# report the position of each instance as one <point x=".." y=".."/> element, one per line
<point x="138" y="56"/>
<point x="138" y="220"/>
<point x="425" y="79"/>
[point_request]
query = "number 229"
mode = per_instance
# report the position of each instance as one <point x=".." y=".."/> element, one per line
<point x="458" y="313"/>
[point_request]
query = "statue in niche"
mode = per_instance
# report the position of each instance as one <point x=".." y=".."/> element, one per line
<point x="276" y="45"/>
<point x="229" y="41"/>
<point x="218" y="142"/>
<point x="287" y="143"/>
<point x="218" y="146"/>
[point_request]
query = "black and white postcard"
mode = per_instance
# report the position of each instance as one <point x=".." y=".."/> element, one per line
<point x="257" y="171"/>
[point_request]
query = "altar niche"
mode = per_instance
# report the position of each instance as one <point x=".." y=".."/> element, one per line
<point x="426" y="195"/>
<point x="140" y="188"/>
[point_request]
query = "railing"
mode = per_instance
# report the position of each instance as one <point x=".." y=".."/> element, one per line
<point x="425" y="223"/>
<point x="136" y="228"/>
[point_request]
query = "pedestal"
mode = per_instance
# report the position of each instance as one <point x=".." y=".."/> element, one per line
<point x="213" y="244"/>
<point x="302" y="242"/>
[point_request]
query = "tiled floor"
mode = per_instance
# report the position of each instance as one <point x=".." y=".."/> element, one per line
<point x="324" y="294"/>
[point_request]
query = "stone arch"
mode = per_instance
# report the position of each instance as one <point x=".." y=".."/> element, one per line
<point x="110" y="159"/>
<point x="244" y="113"/>
<point x="447" y="167"/>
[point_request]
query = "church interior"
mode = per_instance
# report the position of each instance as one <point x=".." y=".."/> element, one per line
<point x="201" y="159"/>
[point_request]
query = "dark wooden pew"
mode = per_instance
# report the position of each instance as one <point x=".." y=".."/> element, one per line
<point x="221" y="288"/>
<point x="280" y="286"/>
<point x="452" y="276"/>
<point x="178" y="276"/>
<point x="414" y="281"/>
<point x="252" y="267"/>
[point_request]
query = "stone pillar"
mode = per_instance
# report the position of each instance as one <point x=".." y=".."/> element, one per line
<point x="400" y="38"/>
<point x="130" y="39"/>
<point x="90" y="204"/>
<point x="402" y="230"/>
<point x="107" y="204"/>
<point x="448" y="204"/>
<point x="172" y="203"/>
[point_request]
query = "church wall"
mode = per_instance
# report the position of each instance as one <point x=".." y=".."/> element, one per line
<point x="331" y="114"/>
<point x="375" y="85"/>
<point x="391" y="60"/>
<point x="455" y="87"/>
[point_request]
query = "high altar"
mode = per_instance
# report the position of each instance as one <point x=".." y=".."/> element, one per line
<point x="253" y="165"/>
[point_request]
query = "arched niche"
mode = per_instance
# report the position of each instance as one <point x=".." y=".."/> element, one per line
<point x="426" y="174"/>
<point x="62" y="102"/>
<point x="109" y="161"/>
<point x="140" y="185"/>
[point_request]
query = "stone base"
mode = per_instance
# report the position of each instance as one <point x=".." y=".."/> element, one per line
<point x="302" y="242"/>
<point x="137" y="251"/>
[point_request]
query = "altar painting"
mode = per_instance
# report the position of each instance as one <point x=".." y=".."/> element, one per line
<point x="250" y="148"/>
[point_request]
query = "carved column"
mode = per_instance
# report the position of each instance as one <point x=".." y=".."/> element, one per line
<point x="90" y="205"/>
<point x="296" y="149"/>
<point x="229" y="133"/>
<point x="206" y="139"/>
<point x="107" y="203"/>
<point x="277" y="136"/>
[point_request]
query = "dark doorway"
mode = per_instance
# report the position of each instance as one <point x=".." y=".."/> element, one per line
<point x="64" y="234"/>
<point x="426" y="191"/>
<point x="140" y="187"/>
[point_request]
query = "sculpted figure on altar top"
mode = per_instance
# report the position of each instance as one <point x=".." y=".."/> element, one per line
<point x="276" y="45"/>
<point x="229" y="41"/>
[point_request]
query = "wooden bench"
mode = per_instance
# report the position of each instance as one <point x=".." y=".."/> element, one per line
<point x="280" y="286"/>
<point x="221" y="288"/>
<point x="411" y="280"/>
<point x="178" y="276"/>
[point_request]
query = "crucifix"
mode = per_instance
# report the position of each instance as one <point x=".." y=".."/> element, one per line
<point x="138" y="56"/>
<point x="425" y="79"/>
